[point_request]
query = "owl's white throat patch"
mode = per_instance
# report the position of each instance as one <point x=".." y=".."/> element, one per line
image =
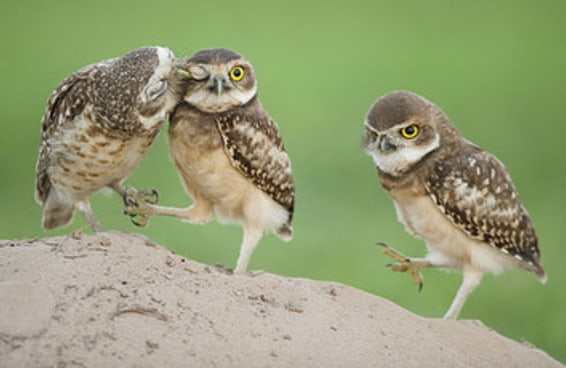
<point x="400" y="160"/>
<point x="210" y="102"/>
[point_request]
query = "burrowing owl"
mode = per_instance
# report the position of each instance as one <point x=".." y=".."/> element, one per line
<point x="98" y="124"/>
<point x="452" y="194"/>
<point x="228" y="152"/>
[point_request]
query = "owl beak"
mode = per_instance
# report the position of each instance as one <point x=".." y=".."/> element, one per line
<point x="218" y="83"/>
<point x="386" y="144"/>
<point x="183" y="73"/>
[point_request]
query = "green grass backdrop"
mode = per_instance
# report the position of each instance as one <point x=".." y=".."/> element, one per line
<point x="497" y="68"/>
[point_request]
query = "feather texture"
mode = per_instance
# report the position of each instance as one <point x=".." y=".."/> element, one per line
<point x="255" y="148"/>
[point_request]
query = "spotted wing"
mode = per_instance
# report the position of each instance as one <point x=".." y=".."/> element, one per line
<point x="256" y="149"/>
<point x="474" y="190"/>
<point x="66" y="102"/>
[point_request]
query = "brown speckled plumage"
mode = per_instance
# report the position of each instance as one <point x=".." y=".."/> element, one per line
<point x="474" y="190"/>
<point x="228" y="152"/>
<point x="98" y="125"/>
<point x="455" y="196"/>
<point x="255" y="147"/>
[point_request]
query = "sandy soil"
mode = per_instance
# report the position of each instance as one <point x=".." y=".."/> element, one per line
<point x="120" y="300"/>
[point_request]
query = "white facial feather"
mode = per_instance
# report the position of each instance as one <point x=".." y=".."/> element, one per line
<point x="398" y="161"/>
<point x="230" y="97"/>
<point x="211" y="102"/>
<point x="159" y="81"/>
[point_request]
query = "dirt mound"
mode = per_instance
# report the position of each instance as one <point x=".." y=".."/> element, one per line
<point x="115" y="299"/>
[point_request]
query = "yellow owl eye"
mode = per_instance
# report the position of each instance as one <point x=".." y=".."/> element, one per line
<point x="410" y="131"/>
<point x="237" y="73"/>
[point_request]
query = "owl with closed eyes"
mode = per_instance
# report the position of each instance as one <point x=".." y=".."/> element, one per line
<point x="98" y="125"/>
<point x="228" y="152"/>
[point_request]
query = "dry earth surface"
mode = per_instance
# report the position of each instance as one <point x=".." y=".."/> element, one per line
<point x="120" y="300"/>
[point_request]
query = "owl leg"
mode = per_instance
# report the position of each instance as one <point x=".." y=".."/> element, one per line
<point x="252" y="236"/>
<point x="471" y="279"/>
<point x="141" y="210"/>
<point x="86" y="211"/>
<point x="406" y="264"/>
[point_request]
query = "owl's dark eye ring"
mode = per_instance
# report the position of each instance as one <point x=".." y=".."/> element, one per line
<point x="410" y="132"/>
<point x="237" y="73"/>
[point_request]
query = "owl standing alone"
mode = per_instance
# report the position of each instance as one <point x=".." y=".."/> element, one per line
<point x="98" y="125"/>
<point x="228" y="152"/>
<point x="452" y="194"/>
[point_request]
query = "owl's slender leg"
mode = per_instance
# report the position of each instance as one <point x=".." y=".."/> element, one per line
<point x="252" y="236"/>
<point x="471" y="279"/>
<point x="86" y="211"/>
<point x="141" y="210"/>
<point x="406" y="264"/>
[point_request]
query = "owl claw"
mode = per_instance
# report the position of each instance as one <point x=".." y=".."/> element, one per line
<point x="135" y="205"/>
<point x="150" y="196"/>
<point x="129" y="202"/>
<point x="404" y="264"/>
<point x="143" y="220"/>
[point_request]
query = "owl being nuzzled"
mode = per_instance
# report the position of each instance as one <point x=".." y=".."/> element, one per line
<point x="228" y="152"/>
<point x="447" y="191"/>
<point x="98" y="125"/>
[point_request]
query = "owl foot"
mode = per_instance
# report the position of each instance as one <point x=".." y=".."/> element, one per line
<point x="136" y="205"/>
<point x="405" y="264"/>
<point x="78" y="233"/>
<point x="150" y="196"/>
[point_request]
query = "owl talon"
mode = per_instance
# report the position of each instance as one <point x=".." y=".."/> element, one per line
<point x="131" y="199"/>
<point x="129" y="202"/>
<point x="412" y="268"/>
<point x="150" y="196"/>
<point x="142" y="222"/>
<point x="393" y="253"/>
<point x="404" y="264"/>
<point x="135" y="206"/>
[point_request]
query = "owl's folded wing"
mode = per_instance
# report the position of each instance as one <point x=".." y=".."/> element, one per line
<point x="65" y="103"/>
<point x="256" y="149"/>
<point x="476" y="193"/>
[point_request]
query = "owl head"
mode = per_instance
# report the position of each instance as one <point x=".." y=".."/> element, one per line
<point x="402" y="129"/>
<point x="138" y="89"/>
<point x="220" y="79"/>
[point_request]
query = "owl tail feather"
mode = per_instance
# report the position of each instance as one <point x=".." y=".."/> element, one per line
<point x="285" y="232"/>
<point x="541" y="274"/>
<point x="56" y="212"/>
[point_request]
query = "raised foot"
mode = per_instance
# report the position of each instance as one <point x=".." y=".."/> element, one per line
<point x="148" y="195"/>
<point x="405" y="264"/>
<point x="137" y="204"/>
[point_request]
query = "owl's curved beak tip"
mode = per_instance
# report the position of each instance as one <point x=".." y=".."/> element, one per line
<point x="183" y="73"/>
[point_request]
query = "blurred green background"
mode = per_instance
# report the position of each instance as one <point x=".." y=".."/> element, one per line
<point x="497" y="68"/>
